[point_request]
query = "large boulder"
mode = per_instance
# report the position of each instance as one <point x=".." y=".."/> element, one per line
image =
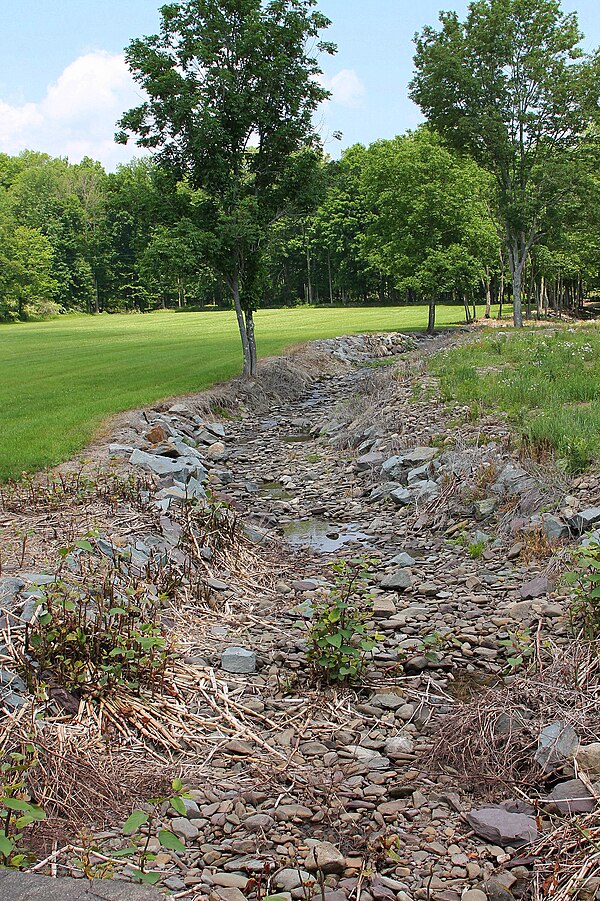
<point x="571" y="797"/>
<point x="585" y="519"/>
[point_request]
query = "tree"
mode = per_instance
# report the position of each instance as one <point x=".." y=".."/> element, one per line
<point x="429" y="227"/>
<point x="511" y="87"/>
<point x="232" y="87"/>
<point x="26" y="266"/>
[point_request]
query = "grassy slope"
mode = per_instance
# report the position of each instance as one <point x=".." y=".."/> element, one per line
<point x="60" y="379"/>
<point x="546" y="382"/>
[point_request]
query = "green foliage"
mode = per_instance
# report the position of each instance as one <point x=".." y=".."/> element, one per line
<point x="509" y="87"/>
<point x="230" y="94"/>
<point x="338" y="639"/>
<point x="546" y="382"/>
<point x="476" y="549"/>
<point x="96" y="638"/>
<point x="17" y="812"/>
<point x="520" y="648"/>
<point x="584" y="581"/>
<point x="142" y="825"/>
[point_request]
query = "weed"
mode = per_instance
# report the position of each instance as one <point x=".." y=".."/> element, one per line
<point x="16" y="810"/>
<point x="520" y="647"/>
<point x="142" y="826"/>
<point x="313" y="458"/>
<point x="476" y="549"/>
<point x="584" y="579"/>
<point x="536" y="545"/>
<point x="337" y="637"/>
<point x="94" y="638"/>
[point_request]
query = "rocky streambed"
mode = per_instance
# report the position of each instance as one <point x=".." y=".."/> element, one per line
<point x="305" y="790"/>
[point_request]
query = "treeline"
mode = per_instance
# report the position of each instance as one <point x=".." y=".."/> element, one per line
<point x="402" y="221"/>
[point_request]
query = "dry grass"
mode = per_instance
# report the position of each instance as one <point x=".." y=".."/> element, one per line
<point x="490" y="742"/>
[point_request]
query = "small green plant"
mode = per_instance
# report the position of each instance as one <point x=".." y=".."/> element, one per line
<point x="338" y="638"/>
<point x="93" y="639"/>
<point x="313" y="458"/>
<point x="520" y="647"/>
<point x="16" y="810"/>
<point x="143" y="825"/>
<point x="584" y="579"/>
<point x="476" y="549"/>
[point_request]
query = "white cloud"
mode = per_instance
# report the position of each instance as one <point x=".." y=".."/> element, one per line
<point x="346" y="88"/>
<point x="78" y="115"/>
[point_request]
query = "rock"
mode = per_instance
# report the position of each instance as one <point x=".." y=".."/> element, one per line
<point x="184" y="828"/>
<point x="399" y="580"/>
<point x="238" y="660"/>
<point x="418" y="455"/>
<point x="536" y="588"/>
<point x="588" y="758"/>
<point x="325" y="857"/>
<point x="16" y="886"/>
<point x="485" y="507"/>
<point x="289" y="879"/>
<point x="216" y="451"/>
<point x="498" y="826"/>
<point x="388" y="700"/>
<point x="571" y="797"/>
<point x="419" y="474"/>
<point x="259" y="822"/>
<point x="402" y="496"/>
<point x="399" y="746"/>
<point x="557" y="742"/>
<point x="512" y="480"/>
<point x="583" y="521"/>
<point x="165" y="466"/>
<point x="156" y="434"/>
<point x="474" y="894"/>
<point x="403" y="560"/>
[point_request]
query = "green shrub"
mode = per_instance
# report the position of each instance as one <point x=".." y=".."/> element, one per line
<point x="17" y="812"/>
<point x="584" y="579"/>
<point x="338" y="638"/>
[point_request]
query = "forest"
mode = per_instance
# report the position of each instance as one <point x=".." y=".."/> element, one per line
<point x="494" y="198"/>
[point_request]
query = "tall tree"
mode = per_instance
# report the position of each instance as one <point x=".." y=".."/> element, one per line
<point x="429" y="227"/>
<point x="510" y="86"/>
<point x="232" y="88"/>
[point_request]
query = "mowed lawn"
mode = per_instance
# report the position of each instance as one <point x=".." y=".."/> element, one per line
<point x="59" y="380"/>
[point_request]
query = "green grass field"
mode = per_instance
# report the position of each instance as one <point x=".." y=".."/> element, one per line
<point x="59" y="380"/>
<point x="547" y="383"/>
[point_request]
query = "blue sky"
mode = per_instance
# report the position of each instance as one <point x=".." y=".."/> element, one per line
<point x="63" y="82"/>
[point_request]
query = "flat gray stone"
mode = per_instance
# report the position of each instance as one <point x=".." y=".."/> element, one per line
<point x="416" y="456"/>
<point x="402" y="496"/>
<point x="399" y="580"/>
<point x="536" y="588"/>
<point x="584" y="520"/>
<point x="498" y="826"/>
<point x="557" y="742"/>
<point x="571" y="797"/>
<point x="403" y="559"/>
<point x="238" y="660"/>
<point x="16" y="886"/>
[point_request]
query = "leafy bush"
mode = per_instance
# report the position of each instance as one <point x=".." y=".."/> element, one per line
<point x="338" y="637"/>
<point x="585" y="581"/>
<point x="92" y="639"/>
<point x="16" y="810"/>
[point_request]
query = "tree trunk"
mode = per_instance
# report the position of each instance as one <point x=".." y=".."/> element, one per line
<point x="237" y="303"/>
<point x="467" y="309"/>
<point x="330" y="279"/>
<point x="518" y="250"/>
<point x="96" y="295"/>
<point x="488" y="295"/>
<point x="251" y="337"/>
<point x="308" y="275"/>
<point x="431" y="317"/>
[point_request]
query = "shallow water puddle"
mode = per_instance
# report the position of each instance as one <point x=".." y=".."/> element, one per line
<point x="274" y="491"/>
<point x="323" y="536"/>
